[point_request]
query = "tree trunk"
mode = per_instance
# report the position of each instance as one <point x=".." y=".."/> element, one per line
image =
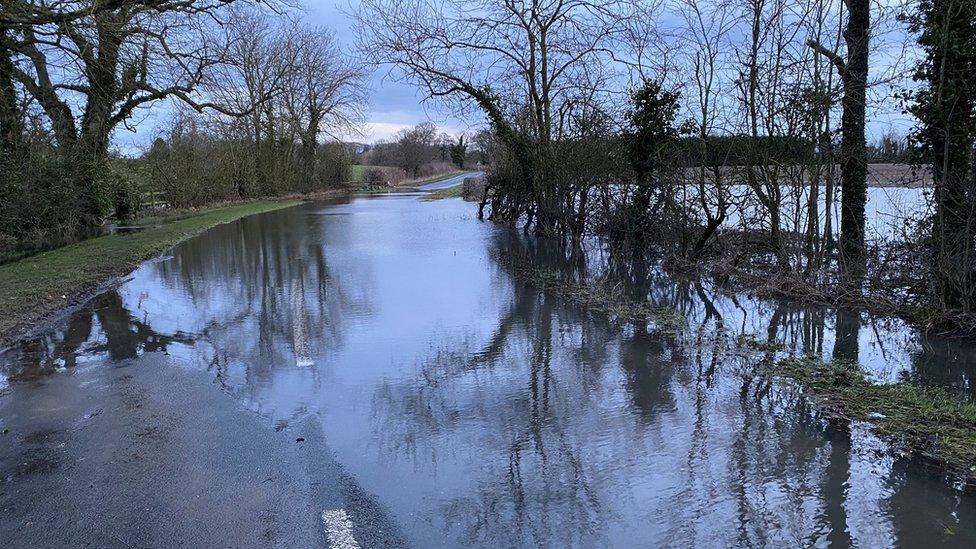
<point x="948" y="111"/>
<point x="10" y="130"/>
<point x="86" y="156"/>
<point x="310" y="145"/>
<point x="954" y="216"/>
<point x="853" y="149"/>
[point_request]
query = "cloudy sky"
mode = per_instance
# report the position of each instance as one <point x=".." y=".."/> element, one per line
<point x="393" y="105"/>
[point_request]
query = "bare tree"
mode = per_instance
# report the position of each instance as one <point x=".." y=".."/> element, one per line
<point x="302" y="86"/>
<point x="415" y="147"/>
<point x="256" y="62"/>
<point x="323" y="92"/>
<point x="91" y="65"/>
<point x="708" y="25"/>
<point x="533" y="67"/>
<point x="113" y="61"/>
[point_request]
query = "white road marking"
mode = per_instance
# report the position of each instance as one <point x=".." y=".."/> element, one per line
<point x="338" y="529"/>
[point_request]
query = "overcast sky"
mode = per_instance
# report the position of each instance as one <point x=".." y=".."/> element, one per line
<point x="393" y="105"/>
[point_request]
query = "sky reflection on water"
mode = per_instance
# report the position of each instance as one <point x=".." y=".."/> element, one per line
<point x="482" y="412"/>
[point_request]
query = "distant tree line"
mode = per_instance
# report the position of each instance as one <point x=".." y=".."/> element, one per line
<point x="421" y="151"/>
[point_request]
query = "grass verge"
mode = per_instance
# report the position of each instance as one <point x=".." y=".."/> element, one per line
<point x="356" y="171"/>
<point x="436" y="178"/>
<point x="448" y="192"/>
<point x="37" y="286"/>
<point x="928" y="424"/>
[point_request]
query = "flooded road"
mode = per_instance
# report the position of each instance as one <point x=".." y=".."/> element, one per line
<point x="372" y="371"/>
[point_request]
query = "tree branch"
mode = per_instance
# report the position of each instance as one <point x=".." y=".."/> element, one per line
<point x="831" y="55"/>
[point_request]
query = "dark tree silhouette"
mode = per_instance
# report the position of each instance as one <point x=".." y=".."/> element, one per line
<point x="853" y="148"/>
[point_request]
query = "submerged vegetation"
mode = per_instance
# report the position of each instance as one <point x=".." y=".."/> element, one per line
<point x="37" y="286"/>
<point x="448" y="192"/>
<point x="596" y="297"/>
<point x="723" y="134"/>
<point x="925" y="422"/>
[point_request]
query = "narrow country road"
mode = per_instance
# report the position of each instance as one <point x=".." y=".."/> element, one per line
<point x="449" y="182"/>
<point x="145" y="453"/>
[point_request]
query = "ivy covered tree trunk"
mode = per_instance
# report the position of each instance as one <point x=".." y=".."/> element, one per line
<point x="309" y="148"/>
<point x="10" y="131"/>
<point x="946" y="109"/>
<point x="853" y="72"/>
<point x="853" y="153"/>
<point x="651" y="130"/>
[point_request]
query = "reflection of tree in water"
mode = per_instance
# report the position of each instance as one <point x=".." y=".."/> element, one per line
<point x="267" y="296"/>
<point x="772" y="459"/>
<point x="757" y="460"/>
<point x="545" y="360"/>
<point x="544" y="498"/>
<point x="945" y="361"/>
<point x="105" y="327"/>
<point x="847" y="334"/>
<point x="646" y="356"/>
<point x="259" y="295"/>
<point x="533" y="483"/>
<point x="860" y="488"/>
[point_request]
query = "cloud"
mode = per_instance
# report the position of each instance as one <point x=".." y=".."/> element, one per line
<point x="375" y="131"/>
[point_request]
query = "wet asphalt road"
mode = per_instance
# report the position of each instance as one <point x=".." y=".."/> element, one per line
<point x="147" y="454"/>
<point x="441" y="399"/>
<point x="450" y="182"/>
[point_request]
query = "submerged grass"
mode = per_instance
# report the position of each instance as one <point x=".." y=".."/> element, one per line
<point x="929" y="424"/>
<point x="37" y="286"/>
<point x="924" y="422"/>
<point x="448" y="192"/>
<point x="601" y="298"/>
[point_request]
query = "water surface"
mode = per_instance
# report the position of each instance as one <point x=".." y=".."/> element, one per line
<point x="477" y="411"/>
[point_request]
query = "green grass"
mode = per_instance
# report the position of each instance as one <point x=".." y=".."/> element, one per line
<point x="356" y="175"/>
<point x="447" y="192"/>
<point x="37" y="286"/>
<point x="356" y="172"/>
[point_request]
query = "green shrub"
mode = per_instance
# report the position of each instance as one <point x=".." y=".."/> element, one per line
<point x="127" y="197"/>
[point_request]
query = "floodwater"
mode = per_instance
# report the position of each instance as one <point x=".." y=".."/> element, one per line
<point x="891" y="212"/>
<point x="473" y="410"/>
